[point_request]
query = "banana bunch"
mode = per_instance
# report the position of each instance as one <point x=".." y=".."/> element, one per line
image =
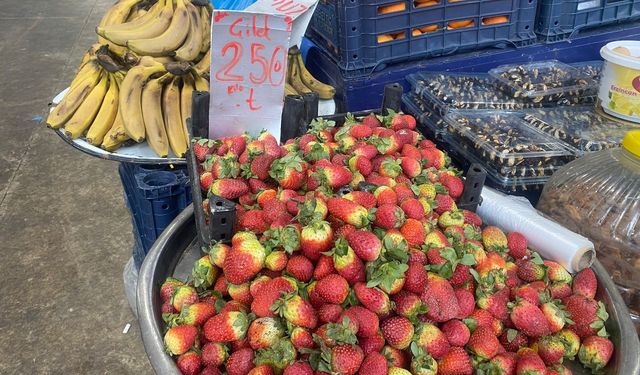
<point x="170" y="30"/>
<point x="300" y="81"/>
<point x="155" y="103"/>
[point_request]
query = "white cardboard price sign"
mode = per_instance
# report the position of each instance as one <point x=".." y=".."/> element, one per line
<point x="248" y="64"/>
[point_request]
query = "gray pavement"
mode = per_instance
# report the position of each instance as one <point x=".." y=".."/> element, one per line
<point x="65" y="234"/>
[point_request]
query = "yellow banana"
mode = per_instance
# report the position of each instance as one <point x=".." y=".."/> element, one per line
<point x="111" y="143"/>
<point x="204" y="65"/>
<point x="294" y="77"/>
<point x="135" y="14"/>
<point x="170" y="40"/>
<point x="324" y="91"/>
<point x="83" y="117"/>
<point x="72" y="100"/>
<point x="106" y="116"/>
<point x="152" y="24"/>
<point x="131" y="99"/>
<point x="90" y="68"/>
<point x="172" y="118"/>
<point x="153" y="120"/>
<point x="190" y="50"/>
<point x="186" y="101"/>
<point x="206" y="29"/>
<point x="201" y="84"/>
<point x="116" y="15"/>
<point x="289" y="90"/>
<point x="91" y="52"/>
<point x="116" y="133"/>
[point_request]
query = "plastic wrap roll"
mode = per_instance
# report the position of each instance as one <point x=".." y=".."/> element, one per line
<point x="550" y="239"/>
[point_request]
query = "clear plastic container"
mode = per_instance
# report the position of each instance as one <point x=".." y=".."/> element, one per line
<point x="432" y="124"/>
<point x="592" y="68"/>
<point x="503" y="139"/>
<point x="598" y="196"/>
<point x="444" y="92"/>
<point x="545" y="82"/>
<point x="580" y="127"/>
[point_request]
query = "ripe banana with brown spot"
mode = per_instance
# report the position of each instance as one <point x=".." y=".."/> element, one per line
<point x="204" y="65"/>
<point x="116" y="15"/>
<point x="130" y="99"/>
<point x="324" y="91"/>
<point x="294" y="76"/>
<point x="289" y="90"/>
<point x="116" y="135"/>
<point x="173" y="119"/>
<point x="152" y="114"/>
<point x="106" y="116"/>
<point x="206" y="29"/>
<point x="170" y="40"/>
<point x="153" y="23"/>
<point x="87" y="111"/>
<point x="186" y="101"/>
<point x="90" y="68"/>
<point x="190" y="49"/>
<point x="62" y="112"/>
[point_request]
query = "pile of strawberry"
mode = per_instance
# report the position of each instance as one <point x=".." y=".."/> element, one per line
<point x="388" y="277"/>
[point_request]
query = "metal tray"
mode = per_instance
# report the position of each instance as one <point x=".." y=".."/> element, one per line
<point x="176" y="250"/>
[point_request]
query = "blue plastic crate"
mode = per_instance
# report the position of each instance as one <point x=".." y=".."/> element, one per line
<point x="155" y="195"/>
<point x="560" y="19"/>
<point x="349" y="29"/>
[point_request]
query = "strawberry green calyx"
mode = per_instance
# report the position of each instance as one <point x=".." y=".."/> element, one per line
<point x="204" y="273"/>
<point x="278" y="356"/>
<point x="422" y="363"/>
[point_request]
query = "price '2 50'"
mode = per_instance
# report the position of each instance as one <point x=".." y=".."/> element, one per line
<point x="272" y="70"/>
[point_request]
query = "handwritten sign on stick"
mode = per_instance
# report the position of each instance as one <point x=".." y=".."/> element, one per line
<point x="248" y="71"/>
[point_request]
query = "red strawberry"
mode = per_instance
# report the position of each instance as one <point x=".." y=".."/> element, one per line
<point x="472" y="218"/>
<point x="495" y="303"/>
<point x="214" y="354"/>
<point x="360" y="131"/>
<point x="530" y="270"/>
<point x="206" y="179"/>
<point x="189" y="363"/>
<point x="365" y="244"/>
<point x="415" y="278"/>
<point x="300" y="267"/>
<point x="314" y="297"/>
<point x="203" y="147"/>
<point x="389" y="216"/>
<point x="240" y="362"/>
<point x="237" y="144"/>
<point x="415" y="233"/>
<point x="229" y="188"/>
<point x="261" y="370"/>
<point x="588" y="315"/>
<point x="371" y="121"/>
<point x="296" y="311"/>
<point x="271" y="292"/>
<point x="372" y="344"/>
<point x="439" y="297"/>
<point x="436" y="239"/>
<point x="413" y="208"/>
<point x="482" y="318"/>
<point x="333" y="288"/>
<point x="168" y="288"/>
<point x="276" y="261"/>
<point x="444" y="203"/>
<point x="430" y="338"/>
<point x="183" y="295"/>
<point x="347" y="263"/>
<point x="398" y="331"/>
<point x="254" y="221"/>
<point x="298" y="368"/>
<point x="512" y="340"/>
<point x="395" y="358"/>
<point x="346" y="359"/>
<point x="315" y="239"/>
<point x="410" y="121"/>
<point x="349" y="212"/>
<point x="329" y="313"/>
<point x="556" y="315"/>
<point x="466" y="303"/>
<point x="179" y="339"/>
<point x="344" y="231"/>
<point x="409" y="305"/>
<point x="226" y="327"/>
<point x="363" y="198"/>
<point x="556" y="272"/>
<point x="334" y="176"/>
<point x="517" y="244"/>
<point x="585" y="283"/>
<point x="289" y="171"/>
<point x="494" y="239"/>
<point x="403" y="191"/>
<point x="530" y="363"/>
<point x="324" y="267"/>
<point x="551" y="349"/>
<point x="245" y="260"/>
<point x="558" y="369"/>
<point x="360" y="163"/>
<point x="390" y="167"/>
<point x="455" y="362"/>
<point x="435" y="158"/>
<point x="374" y="363"/>
<point x="595" y="352"/>
<point x="484" y="343"/>
<point x="456" y="332"/>
<point x="301" y="338"/>
<point x="453" y="184"/>
<point x="367" y="321"/>
<point x="559" y="290"/>
<point x="411" y="151"/>
<point x="196" y="314"/>
<point x="502" y="363"/>
<point x="528" y="318"/>
<point x="264" y="332"/>
<point x="373" y="299"/>
<point x="530" y="292"/>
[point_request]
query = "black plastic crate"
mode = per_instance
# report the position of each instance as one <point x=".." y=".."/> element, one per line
<point x="155" y="195"/>
<point x="349" y="29"/>
<point x="559" y="19"/>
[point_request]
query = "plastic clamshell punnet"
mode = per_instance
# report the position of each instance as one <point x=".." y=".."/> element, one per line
<point x="175" y="251"/>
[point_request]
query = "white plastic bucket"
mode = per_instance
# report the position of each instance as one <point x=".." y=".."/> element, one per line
<point x="620" y="83"/>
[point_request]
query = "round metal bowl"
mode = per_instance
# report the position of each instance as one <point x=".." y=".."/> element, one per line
<point x="176" y="250"/>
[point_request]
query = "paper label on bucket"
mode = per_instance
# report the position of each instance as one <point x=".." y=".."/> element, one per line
<point x="620" y="92"/>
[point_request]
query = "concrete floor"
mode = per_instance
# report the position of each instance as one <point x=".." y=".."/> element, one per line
<point x="65" y="234"/>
